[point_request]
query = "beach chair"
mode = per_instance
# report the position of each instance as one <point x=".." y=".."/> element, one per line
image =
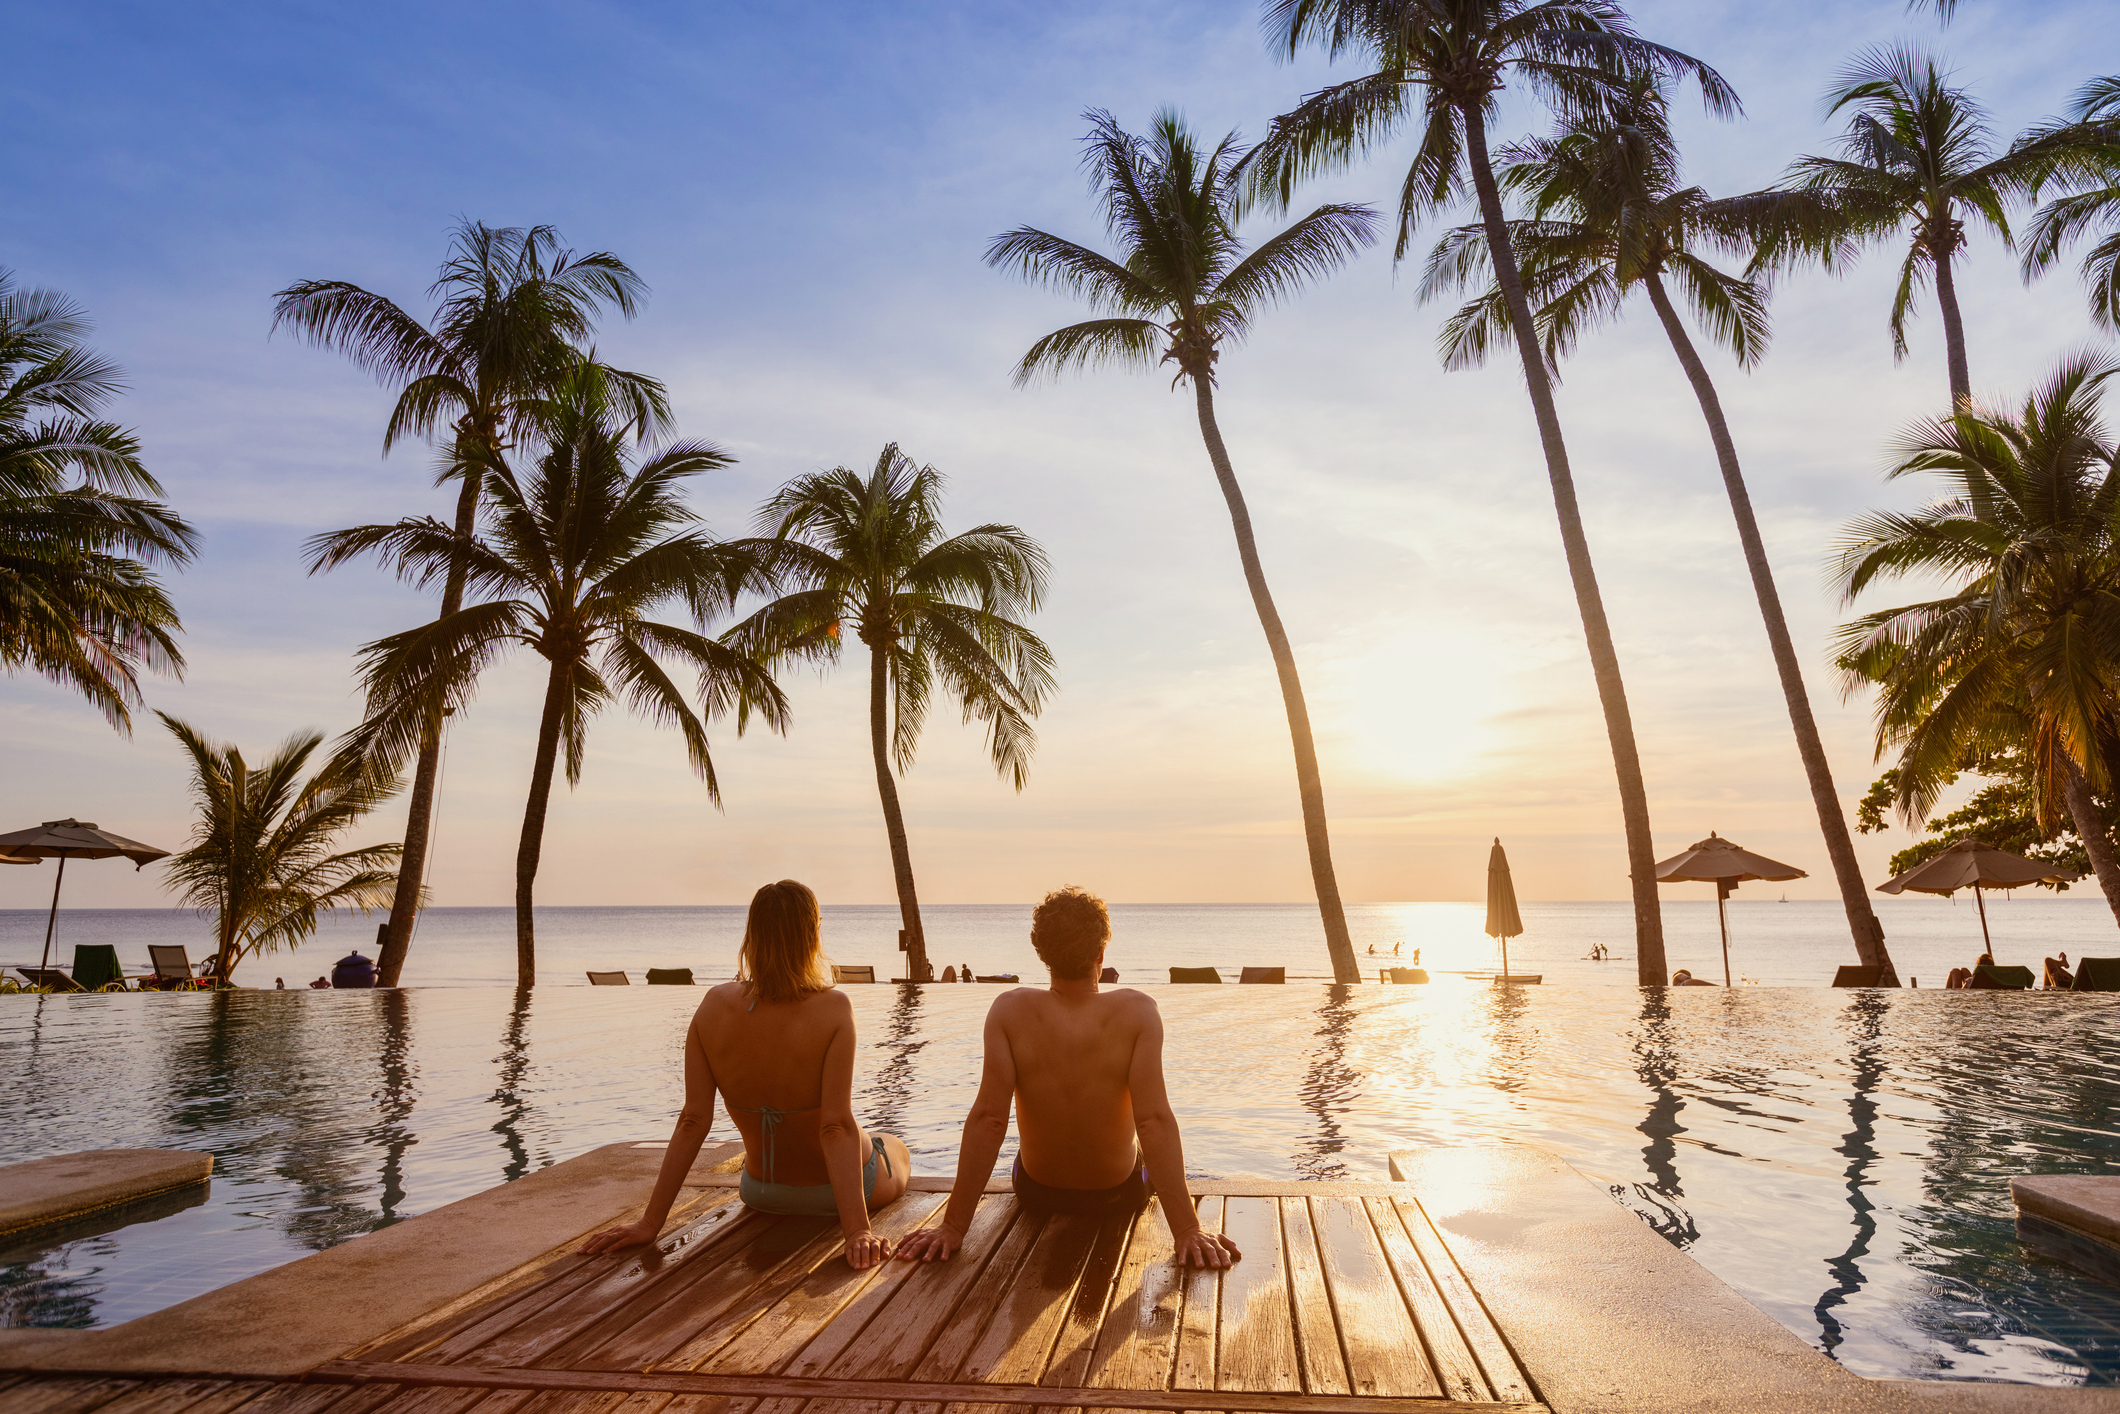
<point x="50" y="977"/>
<point x="1263" y="974"/>
<point x="1403" y="976"/>
<point x="670" y="977"/>
<point x="609" y="979"/>
<point x="1853" y="976"/>
<point x="2001" y="979"/>
<point x="96" y="966"/>
<point x="1005" y="977"/>
<point x="853" y="974"/>
<point x="1109" y="974"/>
<point x="2097" y="974"/>
<point x="1195" y="974"/>
<point x="172" y="965"/>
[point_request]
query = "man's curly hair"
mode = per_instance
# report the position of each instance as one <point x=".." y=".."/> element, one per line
<point x="1069" y="930"/>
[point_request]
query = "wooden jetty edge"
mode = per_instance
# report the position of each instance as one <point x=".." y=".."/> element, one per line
<point x="1478" y="1281"/>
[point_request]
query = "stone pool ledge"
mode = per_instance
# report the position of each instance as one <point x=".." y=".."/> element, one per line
<point x="285" y="1322"/>
<point x="1609" y="1318"/>
<point x="70" y="1185"/>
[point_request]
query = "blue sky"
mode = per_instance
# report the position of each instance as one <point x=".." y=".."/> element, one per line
<point x="808" y="192"/>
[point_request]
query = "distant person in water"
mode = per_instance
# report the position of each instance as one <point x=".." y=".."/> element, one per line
<point x="1084" y="1069"/>
<point x="778" y="1044"/>
<point x="353" y="970"/>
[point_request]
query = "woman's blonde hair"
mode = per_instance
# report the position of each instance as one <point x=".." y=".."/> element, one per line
<point x="783" y="946"/>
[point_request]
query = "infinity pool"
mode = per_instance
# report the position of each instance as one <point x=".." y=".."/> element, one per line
<point x="1841" y="1158"/>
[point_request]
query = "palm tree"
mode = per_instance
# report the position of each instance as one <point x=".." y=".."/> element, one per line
<point x="1450" y="59"/>
<point x="2094" y="163"/>
<point x="513" y="310"/>
<point x="78" y="601"/>
<point x="1180" y="288"/>
<point x="2024" y="654"/>
<point x="1607" y="217"/>
<point x="869" y="553"/>
<point x="574" y="559"/>
<point x="1917" y="163"/>
<point x="263" y="861"/>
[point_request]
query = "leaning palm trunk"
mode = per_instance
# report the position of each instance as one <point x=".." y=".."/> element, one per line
<point x="1953" y="333"/>
<point x="1840" y="847"/>
<point x="1604" y="660"/>
<point x="917" y="968"/>
<point x="2090" y="827"/>
<point x="419" y="814"/>
<point x="557" y="694"/>
<point x="1309" y="783"/>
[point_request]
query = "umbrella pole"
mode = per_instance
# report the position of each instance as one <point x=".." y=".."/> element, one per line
<point x="1987" y="944"/>
<point x="1724" y="919"/>
<point x="51" y="921"/>
<point x="1505" y="959"/>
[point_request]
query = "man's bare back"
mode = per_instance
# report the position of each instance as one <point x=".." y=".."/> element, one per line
<point x="1072" y="1056"/>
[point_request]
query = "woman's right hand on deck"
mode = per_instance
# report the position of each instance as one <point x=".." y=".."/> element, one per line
<point x="866" y="1249"/>
<point x="931" y="1244"/>
<point x="612" y="1238"/>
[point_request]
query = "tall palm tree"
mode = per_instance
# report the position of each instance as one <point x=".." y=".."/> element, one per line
<point x="1447" y="61"/>
<point x="264" y="861"/>
<point x="869" y="553"/>
<point x="2093" y="164"/>
<point x="1180" y="288"/>
<point x="513" y="310"/>
<point x="79" y="602"/>
<point x="2024" y="653"/>
<point x="1917" y="162"/>
<point x="571" y="560"/>
<point x="1607" y="217"/>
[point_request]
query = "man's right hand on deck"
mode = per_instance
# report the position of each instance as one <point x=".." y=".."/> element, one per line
<point x="931" y="1244"/>
<point x="1199" y="1248"/>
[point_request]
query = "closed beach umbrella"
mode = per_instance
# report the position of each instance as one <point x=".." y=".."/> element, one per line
<point x="1503" y="921"/>
<point x="1968" y="864"/>
<point x="71" y="839"/>
<point x="1724" y="864"/>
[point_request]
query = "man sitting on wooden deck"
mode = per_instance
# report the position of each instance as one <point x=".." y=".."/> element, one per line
<point x="1084" y="1068"/>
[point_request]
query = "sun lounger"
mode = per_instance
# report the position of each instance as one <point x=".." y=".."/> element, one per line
<point x="2001" y="979"/>
<point x="1853" y="976"/>
<point x="2097" y="974"/>
<point x="1264" y="974"/>
<point x="1008" y="978"/>
<point x="670" y="977"/>
<point x="172" y="965"/>
<point x="1109" y="974"/>
<point x="609" y="979"/>
<point x="51" y="977"/>
<point x="1195" y="974"/>
<point x="853" y="974"/>
<point x="96" y="966"/>
<point x="1403" y="976"/>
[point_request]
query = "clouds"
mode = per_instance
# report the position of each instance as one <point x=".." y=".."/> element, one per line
<point x="808" y="193"/>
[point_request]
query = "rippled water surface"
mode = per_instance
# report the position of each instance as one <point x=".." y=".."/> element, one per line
<point x="1841" y="1158"/>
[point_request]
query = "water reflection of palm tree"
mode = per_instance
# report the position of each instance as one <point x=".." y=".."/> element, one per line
<point x="894" y="1082"/>
<point x="395" y="1100"/>
<point x="1331" y="1088"/>
<point x="514" y="1061"/>
<point x="1656" y="1062"/>
<point x="1859" y="1145"/>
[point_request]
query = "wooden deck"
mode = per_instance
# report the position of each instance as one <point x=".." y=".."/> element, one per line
<point x="1345" y="1303"/>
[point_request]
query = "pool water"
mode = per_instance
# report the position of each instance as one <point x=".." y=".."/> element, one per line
<point x="1840" y="1158"/>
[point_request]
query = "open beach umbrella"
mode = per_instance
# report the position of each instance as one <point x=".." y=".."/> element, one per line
<point x="1718" y="861"/>
<point x="1973" y="864"/>
<point x="1503" y="921"/>
<point x="71" y="839"/>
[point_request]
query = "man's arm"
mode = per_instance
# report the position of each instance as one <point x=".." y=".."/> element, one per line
<point x="984" y="1130"/>
<point x="693" y="1122"/>
<point x="1164" y="1152"/>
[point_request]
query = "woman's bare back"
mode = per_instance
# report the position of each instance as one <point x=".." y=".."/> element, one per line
<point x="769" y="1057"/>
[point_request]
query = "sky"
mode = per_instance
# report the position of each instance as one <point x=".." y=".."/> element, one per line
<point x="808" y="192"/>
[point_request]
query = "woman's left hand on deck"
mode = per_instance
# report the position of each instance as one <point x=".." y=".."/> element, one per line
<point x="633" y="1234"/>
<point x="866" y="1249"/>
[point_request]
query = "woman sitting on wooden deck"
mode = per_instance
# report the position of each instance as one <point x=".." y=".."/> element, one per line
<point x="778" y="1043"/>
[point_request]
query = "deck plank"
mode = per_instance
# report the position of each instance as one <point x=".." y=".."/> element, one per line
<point x="1076" y="1340"/>
<point x="1450" y="1358"/>
<point x="213" y="1395"/>
<point x="1504" y="1376"/>
<point x="1138" y="1341"/>
<point x="66" y="1395"/>
<point x="1019" y="1335"/>
<point x="1317" y="1323"/>
<point x="1256" y="1340"/>
<point x="933" y="1294"/>
<point x="1375" y="1325"/>
<point x="1199" y="1319"/>
<point x="945" y="1355"/>
<point x="297" y="1399"/>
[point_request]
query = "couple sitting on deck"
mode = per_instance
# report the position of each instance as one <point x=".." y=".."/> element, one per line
<point x="1082" y="1066"/>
